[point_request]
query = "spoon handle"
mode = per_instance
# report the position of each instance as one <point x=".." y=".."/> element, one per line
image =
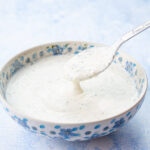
<point x="131" y="34"/>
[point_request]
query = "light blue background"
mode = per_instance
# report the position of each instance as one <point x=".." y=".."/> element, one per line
<point x="26" y="23"/>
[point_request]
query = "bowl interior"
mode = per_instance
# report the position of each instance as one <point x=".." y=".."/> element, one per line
<point x="29" y="57"/>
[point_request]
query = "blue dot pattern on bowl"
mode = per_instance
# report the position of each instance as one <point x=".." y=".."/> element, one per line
<point x="97" y="126"/>
<point x="81" y="131"/>
<point x="70" y="133"/>
<point x="82" y="127"/>
<point x="42" y="126"/>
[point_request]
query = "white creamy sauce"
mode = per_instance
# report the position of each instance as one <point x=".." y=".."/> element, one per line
<point x="41" y="91"/>
<point x="89" y="63"/>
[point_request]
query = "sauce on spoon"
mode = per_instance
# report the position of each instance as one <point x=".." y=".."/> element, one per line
<point x="93" y="61"/>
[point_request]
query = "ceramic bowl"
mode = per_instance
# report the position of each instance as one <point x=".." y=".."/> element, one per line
<point x="71" y="131"/>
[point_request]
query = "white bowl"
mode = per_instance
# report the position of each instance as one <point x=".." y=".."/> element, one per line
<point x="71" y="131"/>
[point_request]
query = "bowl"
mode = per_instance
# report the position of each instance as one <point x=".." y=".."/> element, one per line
<point x="71" y="131"/>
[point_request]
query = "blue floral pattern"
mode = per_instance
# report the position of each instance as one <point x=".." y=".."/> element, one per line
<point x="119" y="123"/>
<point x="67" y="133"/>
<point x="130" y="67"/>
<point x="17" y="65"/>
<point x="22" y="122"/>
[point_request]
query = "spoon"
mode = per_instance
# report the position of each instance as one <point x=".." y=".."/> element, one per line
<point x="92" y="61"/>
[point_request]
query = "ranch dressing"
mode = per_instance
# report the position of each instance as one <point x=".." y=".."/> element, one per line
<point x="88" y="64"/>
<point x="42" y="92"/>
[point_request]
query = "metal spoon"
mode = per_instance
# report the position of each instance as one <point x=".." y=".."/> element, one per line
<point x="93" y="61"/>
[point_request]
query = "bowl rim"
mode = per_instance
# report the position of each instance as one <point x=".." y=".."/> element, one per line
<point x="23" y="115"/>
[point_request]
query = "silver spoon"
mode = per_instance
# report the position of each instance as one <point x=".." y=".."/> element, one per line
<point x="93" y="61"/>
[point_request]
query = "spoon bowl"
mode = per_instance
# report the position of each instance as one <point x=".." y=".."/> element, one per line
<point x="90" y="63"/>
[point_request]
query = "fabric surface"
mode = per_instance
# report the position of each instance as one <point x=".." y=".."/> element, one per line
<point x="25" y="24"/>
